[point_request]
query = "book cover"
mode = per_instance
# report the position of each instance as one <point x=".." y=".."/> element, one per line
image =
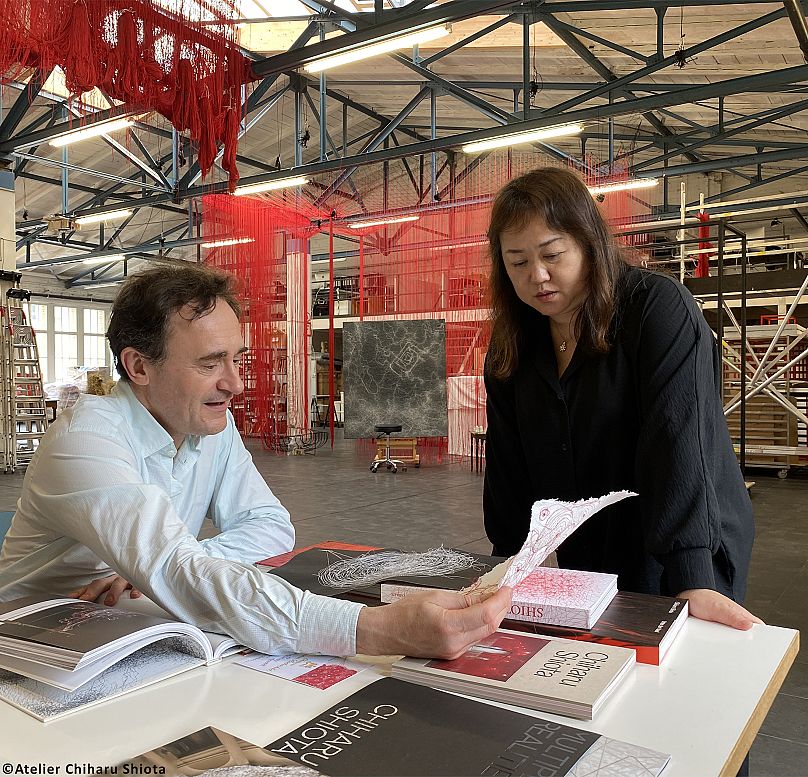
<point x="209" y="749"/>
<point x="303" y="568"/>
<point x="396" y="728"/>
<point x="565" y="597"/>
<point x="648" y="624"/>
<point x="550" y="675"/>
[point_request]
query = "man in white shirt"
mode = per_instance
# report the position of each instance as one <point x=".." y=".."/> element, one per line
<point x="120" y="485"/>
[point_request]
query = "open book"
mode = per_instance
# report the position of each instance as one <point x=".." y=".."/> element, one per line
<point x="63" y="654"/>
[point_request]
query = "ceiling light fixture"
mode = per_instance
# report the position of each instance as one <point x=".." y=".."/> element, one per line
<point x="268" y="186"/>
<point x="374" y="49"/>
<point x="104" y="259"/>
<point x="528" y="136"/>
<point x="95" y="218"/>
<point x="452" y="246"/>
<point x="325" y="261"/>
<point x="381" y="222"/>
<point x="91" y="285"/>
<point x="93" y="131"/>
<point x="230" y="241"/>
<point x="619" y="186"/>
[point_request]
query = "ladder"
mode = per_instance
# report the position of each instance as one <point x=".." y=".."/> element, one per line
<point x="24" y="412"/>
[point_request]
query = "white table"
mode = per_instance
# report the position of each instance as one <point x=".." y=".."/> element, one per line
<point x="704" y="705"/>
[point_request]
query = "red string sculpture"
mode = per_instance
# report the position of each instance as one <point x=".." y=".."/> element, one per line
<point x="433" y="265"/>
<point x="168" y="56"/>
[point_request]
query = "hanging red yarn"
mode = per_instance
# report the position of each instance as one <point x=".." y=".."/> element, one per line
<point x="158" y="55"/>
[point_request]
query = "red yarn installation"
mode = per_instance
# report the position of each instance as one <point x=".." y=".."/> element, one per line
<point x="435" y="266"/>
<point x="273" y="270"/>
<point x="148" y="54"/>
<point x="703" y="263"/>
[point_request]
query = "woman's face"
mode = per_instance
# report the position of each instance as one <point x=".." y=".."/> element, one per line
<point x="547" y="268"/>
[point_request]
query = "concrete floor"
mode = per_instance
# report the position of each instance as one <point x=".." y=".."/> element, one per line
<point x="332" y="495"/>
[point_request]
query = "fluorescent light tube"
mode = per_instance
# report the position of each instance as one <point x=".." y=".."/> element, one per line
<point x="93" y="131"/>
<point x="95" y="218"/>
<point x="268" y="186"/>
<point x="452" y="246"/>
<point x="104" y="259"/>
<point x="92" y="285"/>
<point x="619" y="186"/>
<point x="325" y="261"/>
<point x="529" y="136"/>
<point x="380" y="222"/>
<point x="374" y="49"/>
<point x="230" y="241"/>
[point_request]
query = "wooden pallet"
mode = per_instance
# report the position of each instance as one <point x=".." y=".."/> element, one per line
<point x="401" y="448"/>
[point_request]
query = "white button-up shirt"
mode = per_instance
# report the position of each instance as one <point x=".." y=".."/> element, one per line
<point x="107" y="490"/>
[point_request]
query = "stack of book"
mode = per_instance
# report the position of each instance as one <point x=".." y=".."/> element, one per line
<point x="567" y="603"/>
<point x="550" y="675"/>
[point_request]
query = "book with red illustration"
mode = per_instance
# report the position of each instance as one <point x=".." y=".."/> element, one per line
<point x="560" y="676"/>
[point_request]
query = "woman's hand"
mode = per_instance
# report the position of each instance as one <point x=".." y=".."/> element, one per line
<point x="115" y="585"/>
<point x="713" y="606"/>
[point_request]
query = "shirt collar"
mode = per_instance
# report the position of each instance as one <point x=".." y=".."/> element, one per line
<point x="153" y="438"/>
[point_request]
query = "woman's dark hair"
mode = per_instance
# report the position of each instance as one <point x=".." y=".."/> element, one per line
<point x="561" y="199"/>
<point x="146" y="302"/>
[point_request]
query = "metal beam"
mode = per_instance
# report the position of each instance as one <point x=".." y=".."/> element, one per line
<point x="65" y="127"/>
<point x="374" y="143"/>
<point x="788" y="110"/>
<point x="367" y="31"/>
<point x="692" y="51"/>
<point x="469" y="39"/>
<point x="797" y="19"/>
<point x="587" y="56"/>
<point x="603" y="42"/>
<point x="624" y="107"/>
<point x="23" y="102"/>
<point x="730" y="163"/>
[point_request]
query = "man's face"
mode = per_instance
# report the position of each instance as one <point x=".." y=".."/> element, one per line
<point x="190" y="390"/>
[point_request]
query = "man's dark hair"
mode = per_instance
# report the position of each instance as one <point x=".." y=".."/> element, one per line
<point x="143" y="308"/>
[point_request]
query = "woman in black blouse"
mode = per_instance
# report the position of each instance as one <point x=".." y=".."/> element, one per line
<point x="602" y="377"/>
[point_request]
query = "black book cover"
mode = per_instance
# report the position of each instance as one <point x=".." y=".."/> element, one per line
<point x="392" y="727"/>
<point x="302" y="570"/>
<point x="639" y="621"/>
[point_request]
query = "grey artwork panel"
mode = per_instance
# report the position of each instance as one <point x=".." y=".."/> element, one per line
<point x="394" y="372"/>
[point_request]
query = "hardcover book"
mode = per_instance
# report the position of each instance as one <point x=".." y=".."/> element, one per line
<point x="648" y="624"/>
<point x="563" y="677"/>
<point x="393" y="728"/>
<point x="301" y="569"/>
<point x="565" y="597"/>
<point x="59" y="655"/>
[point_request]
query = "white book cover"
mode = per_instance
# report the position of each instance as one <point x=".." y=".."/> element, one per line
<point x="563" y="676"/>
<point x="563" y="597"/>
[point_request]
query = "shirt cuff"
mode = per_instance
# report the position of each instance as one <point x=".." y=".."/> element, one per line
<point x="687" y="569"/>
<point x="328" y="626"/>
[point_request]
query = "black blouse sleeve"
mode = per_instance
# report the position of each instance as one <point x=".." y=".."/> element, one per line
<point x="680" y="439"/>
<point x="507" y="498"/>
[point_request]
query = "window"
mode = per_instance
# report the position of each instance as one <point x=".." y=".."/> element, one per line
<point x="69" y="336"/>
<point x="95" y="351"/>
<point x="39" y="322"/>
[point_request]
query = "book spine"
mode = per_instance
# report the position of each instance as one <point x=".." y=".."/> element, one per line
<point x="392" y="592"/>
<point x="550" y="614"/>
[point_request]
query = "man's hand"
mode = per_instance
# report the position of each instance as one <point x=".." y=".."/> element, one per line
<point x="432" y="624"/>
<point x="114" y="585"/>
<point x="713" y="606"/>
